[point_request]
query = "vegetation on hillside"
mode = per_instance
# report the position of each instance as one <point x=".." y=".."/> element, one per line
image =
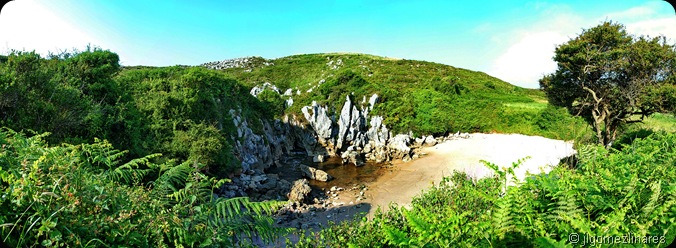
<point x="181" y="112"/>
<point x="423" y="97"/>
<point x="74" y="188"/>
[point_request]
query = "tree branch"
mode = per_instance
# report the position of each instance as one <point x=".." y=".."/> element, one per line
<point x="593" y="94"/>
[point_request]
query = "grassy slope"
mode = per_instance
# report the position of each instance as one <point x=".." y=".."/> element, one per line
<point x="424" y="97"/>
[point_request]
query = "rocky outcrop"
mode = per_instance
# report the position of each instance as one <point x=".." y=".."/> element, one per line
<point x="299" y="190"/>
<point x="319" y="121"/>
<point x="353" y="137"/>
<point x="245" y="62"/>
<point x="315" y="174"/>
<point x="260" y="88"/>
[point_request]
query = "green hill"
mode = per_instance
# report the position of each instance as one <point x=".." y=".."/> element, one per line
<point x="418" y="96"/>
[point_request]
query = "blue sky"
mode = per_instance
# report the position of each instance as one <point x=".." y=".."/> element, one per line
<point x="512" y="40"/>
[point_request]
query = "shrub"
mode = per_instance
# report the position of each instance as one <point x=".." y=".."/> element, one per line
<point x="84" y="195"/>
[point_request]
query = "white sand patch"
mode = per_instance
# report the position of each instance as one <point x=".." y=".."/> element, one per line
<point x="466" y="155"/>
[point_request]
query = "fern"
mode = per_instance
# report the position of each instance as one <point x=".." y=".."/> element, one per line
<point x="395" y="237"/>
<point x="130" y="173"/>
<point x="502" y="219"/>
<point x="240" y="215"/>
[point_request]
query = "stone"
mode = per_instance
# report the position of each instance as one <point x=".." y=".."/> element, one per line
<point x="430" y="141"/>
<point x="245" y="62"/>
<point x="299" y="190"/>
<point x="289" y="102"/>
<point x="372" y="101"/>
<point x="399" y="145"/>
<point x="352" y="157"/>
<point x="258" y="89"/>
<point x="419" y="141"/>
<point x="318" y="158"/>
<point x="315" y="174"/>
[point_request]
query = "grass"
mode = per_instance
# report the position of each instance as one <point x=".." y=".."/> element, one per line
<point x="660" y="122"/>
<point x="532" y="106"/>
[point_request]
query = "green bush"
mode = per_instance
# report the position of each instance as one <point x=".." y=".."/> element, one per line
<point x="84" y="195"/>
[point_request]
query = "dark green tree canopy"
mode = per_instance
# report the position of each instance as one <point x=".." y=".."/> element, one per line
<point x="606" y="75"/>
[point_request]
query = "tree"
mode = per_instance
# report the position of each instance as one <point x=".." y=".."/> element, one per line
<point x="606" y="75"/>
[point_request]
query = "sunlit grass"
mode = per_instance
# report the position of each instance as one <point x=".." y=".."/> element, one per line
<point x="526" y="105"/>
<point x="661" y="122"/>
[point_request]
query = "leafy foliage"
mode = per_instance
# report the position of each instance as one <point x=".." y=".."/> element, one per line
<point x="83" y="195"/>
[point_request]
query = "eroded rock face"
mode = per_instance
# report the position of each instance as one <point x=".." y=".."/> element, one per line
<point x="344" y="123"/>
<point x="357" y="139"/>
<point x="315" y="174"/>
<point x="299" y="190"/>
<point x="320" y="122"/>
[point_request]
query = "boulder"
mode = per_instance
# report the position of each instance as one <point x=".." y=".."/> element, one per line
<point x="352" y="157"/>
<point x="419" y="141"/>
<point x="398" y="145"/>
<point x="299" y="190"/>
<point x="318" y="158"/>
<point x="315" y="174"/>
<point x="258" y="89"/>
<point x="430" y="141"/>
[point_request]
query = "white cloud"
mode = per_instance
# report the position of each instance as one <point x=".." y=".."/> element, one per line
<point x="528" y="59"/>
<point x="528" y="56"/>
<point x="655" y="27"/>
<point x="29" y="25"/>
<point x="640" y="11"/>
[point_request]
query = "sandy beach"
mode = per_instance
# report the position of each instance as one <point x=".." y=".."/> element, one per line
<point x="438" y="161"/>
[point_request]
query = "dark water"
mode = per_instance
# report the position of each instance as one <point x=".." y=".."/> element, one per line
<point x="347" y="175"/>
<point x="344" y="175"/>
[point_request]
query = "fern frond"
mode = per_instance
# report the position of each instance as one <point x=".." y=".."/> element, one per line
<point x="395" y="236"/>
<point x="502" y="219"/>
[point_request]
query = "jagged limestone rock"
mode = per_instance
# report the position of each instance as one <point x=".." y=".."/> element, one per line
<point x="319" y="121"/>
<point x="344" y="122"/>
<point x="352" y="157"/>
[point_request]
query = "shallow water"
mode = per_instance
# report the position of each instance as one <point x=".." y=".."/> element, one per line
<point x="344" y="175"/>
<point x="347" y="175"/>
